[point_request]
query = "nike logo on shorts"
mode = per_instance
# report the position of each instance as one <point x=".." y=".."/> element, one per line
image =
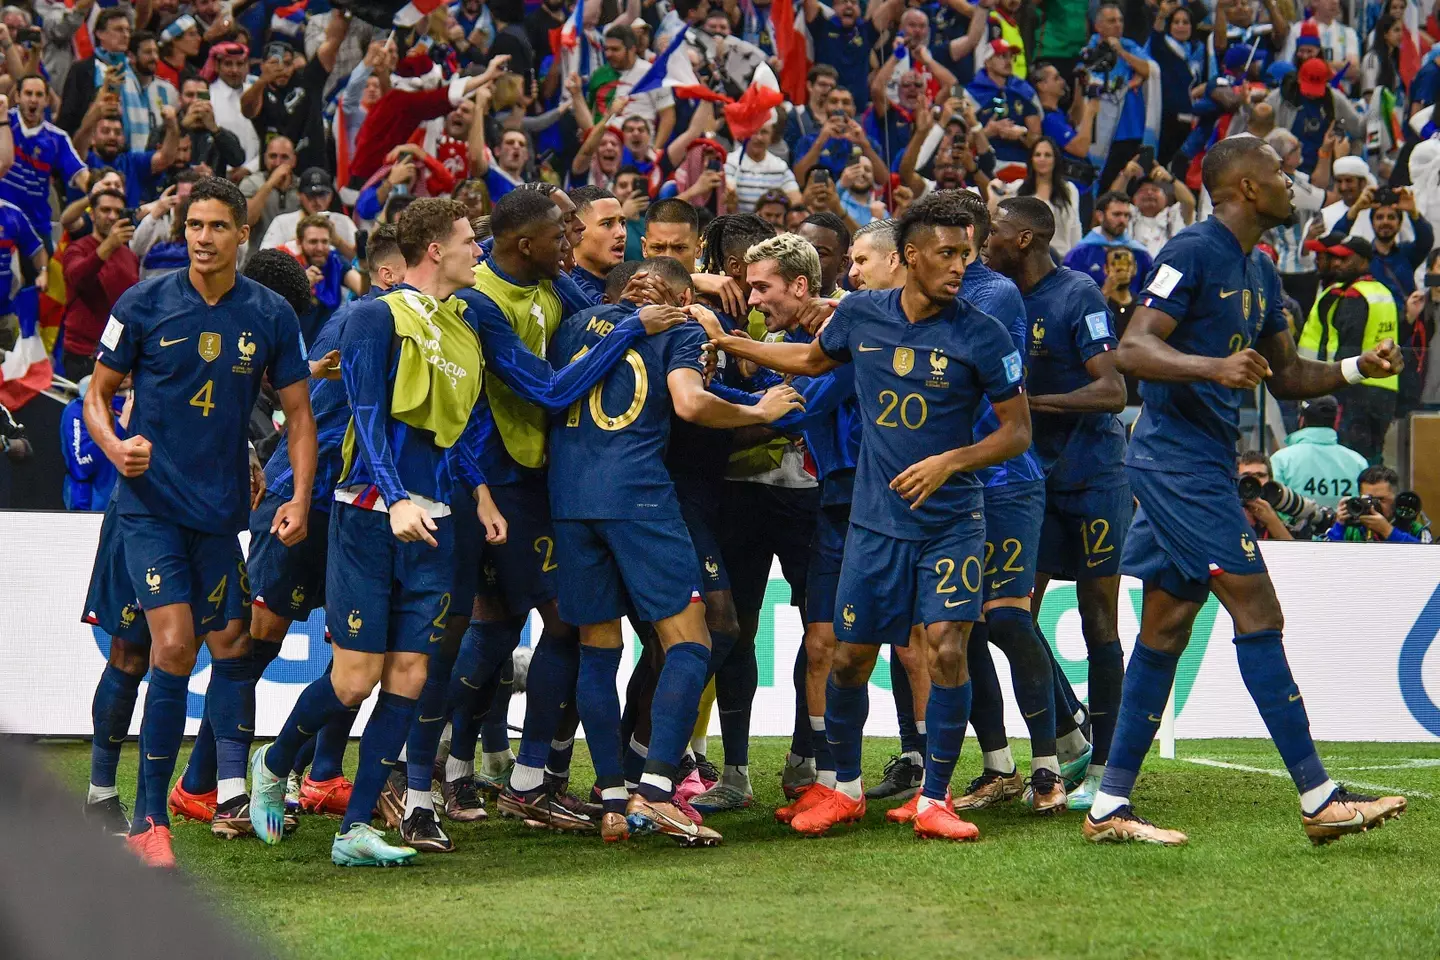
<point x="1226" y="294"/>
<point x="951" y="604"/>
<point x="1294" y="697"/>
<point x="997" y="584"/>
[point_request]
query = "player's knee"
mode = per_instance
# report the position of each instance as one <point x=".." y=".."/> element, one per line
<point x="129" y="658"/>
<point x="819" y="647"/>
<point x="947" y="661"/>
<point x="266" y="626"/>
<point x="851" y="666"/>
<point x="720" y="614"/>
<point x="405" y="673"/>
<point x="175" y="655"/>
<point x="231" y="643"/>
<point x="354" y="679"/>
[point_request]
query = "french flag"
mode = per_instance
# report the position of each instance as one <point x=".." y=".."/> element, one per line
<point x="573" y="47"/>
<point x="26" y="370"/>
<point x="673" y="69"/>
<point x="415" y="11"/>
<point x="289" y="20"/>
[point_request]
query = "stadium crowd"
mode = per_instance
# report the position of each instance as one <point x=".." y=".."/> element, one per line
<point x="780" y="157"/>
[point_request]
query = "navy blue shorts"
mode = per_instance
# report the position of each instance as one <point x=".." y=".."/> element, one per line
<point x="288" y="581"/>
<point x="650" y="561"/>
<point x="110" y="603"/>
<point x="827" y="550"/>
<point x="521" y="571"/>
<point x="759" y="524"/>
<point x="889" y="585"/>
<point x="169" y="564"/>
<point x="701" y="518"/>
<point x="1189" y="528"/>
<point x="1085" y="531"/>
<point x="383" y="595"/>
<point x="1013" y="514"/>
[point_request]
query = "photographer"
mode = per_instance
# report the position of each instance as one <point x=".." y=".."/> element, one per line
<point x="1254" y="471"/>
<point x="1313" y="461"/>
<point x="1072" y="130"/>
<point x="1379" y="515"/>
<point x="1391" y="262"/>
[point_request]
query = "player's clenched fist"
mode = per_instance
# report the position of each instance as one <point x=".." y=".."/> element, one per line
<point x="409" y="522"/>
<point x="292" y="522"/>
<point x="778" y="401"/>
<point x="133" y="456"/>
<point x="1384" y="360"/>
<point x="1243" y="370"/>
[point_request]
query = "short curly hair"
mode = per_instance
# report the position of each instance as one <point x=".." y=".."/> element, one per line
<point x="282" y="273"/>
<point x="218" y="188"/>
<point x="943" y="208"/>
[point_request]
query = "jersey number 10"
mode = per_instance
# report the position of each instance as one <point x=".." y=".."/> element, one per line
<point x="597" y="411"/>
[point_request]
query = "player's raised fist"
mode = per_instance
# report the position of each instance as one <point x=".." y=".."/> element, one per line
<point x="1384" y="360"/>
<point x="134" y="456"/>
<point x="660" y="317"/>
<point x="1243" y="370"/>
<point x="778" y="401"/>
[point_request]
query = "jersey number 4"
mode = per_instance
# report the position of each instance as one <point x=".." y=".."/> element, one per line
<point x="597" y="410"/>
<point x="202" y="398"/>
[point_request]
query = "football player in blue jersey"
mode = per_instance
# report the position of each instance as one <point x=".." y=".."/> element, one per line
<point x="602" y="244"/>
<point x="412" y="369"/>
<point x="1209" y="329"/>
<point x="923" y="359"/>
<point x="197" y="343"/>
<point x="630" y="541"/>
<point x="1075" y="392"/>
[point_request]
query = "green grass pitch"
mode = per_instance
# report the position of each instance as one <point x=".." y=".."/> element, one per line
<point x="1249" y="884"/>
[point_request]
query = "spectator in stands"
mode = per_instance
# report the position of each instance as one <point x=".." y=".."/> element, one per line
<point x="1155" y="216"/>
<point x="316" y="190"/>
<point x="330" y="274"/>
<point x="107" y="72"/>
<point x="773" y="207"/>
<point x="1182" y="61"/>
<point x="98" y="269"/>
<point x="288" y="98"/>
<point x="212" y="145"/>
<point x="105" y="139"/>
<point x="1377" y="524"/>
<point x="1044" y="180"/>
<point x="752" y="171"/>
<point x="1090" y="254"/>
<point x="1338" y="42"/>
<point x="159" y="241"/>
<point x="1296" y="265"/>
<point x="1005" y="106"/>
<point x="802" y="120"/>
<point x="159" y="93"/>
<point x="630" y="189"/>
<point x="1266" y="523"/>
<point x="179" y="43"/>
<point x="229" y="65"/>
<point x="1237" y="22"/>
<point x="17" y="233"/>
<point x="1352" y="315"/>
<point x="1070" y="130"/>
<point x="844" y="41"/>
<point x="1420" y="380"/>
<point x="1307" y="105"/>
<point x="656" y="107"/>
<point x="89" y="474"/>
<point x="889" y="129"/>
<point x="1392" y="263"/>
<point x="1123" y="107"/>
<point x="272" y="191"/>
<point x="1313" y="461"/>
<point x="838" y="142"/>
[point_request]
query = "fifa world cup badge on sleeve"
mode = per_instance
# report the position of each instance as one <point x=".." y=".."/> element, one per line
<point x="1164" y="281"/>
<point x="1098" y="324"/>
<point x="1013" y="367"/>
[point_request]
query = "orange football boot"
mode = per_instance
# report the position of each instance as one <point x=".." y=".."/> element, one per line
<point x="327" y="797"/>
<point x="905" y="813"/>
<point x="153" y="846"/>
<point x="940" y="822"/>
<point x="192" y="806"/>
<point x="834" y="807"/>
<point x="809" y="798"/>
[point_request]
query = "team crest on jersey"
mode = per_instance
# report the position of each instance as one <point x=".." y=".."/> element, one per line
<point x="938" y="363"/>
<point x="1248" y="545"/>
<point x="1245" y="302"/>
<point x="246" y="346"/>
<point x="1037" y="335"/>
<point x="127" y="614"/>
<point x="354" y="623"/>
<point x="209" y="346"/>
<point x="152" y="579"/>
<point x="903" y="361"/>
<point x="711" y="567"/>
<point x="297" y="596"/>
<point x="847" y="615"/>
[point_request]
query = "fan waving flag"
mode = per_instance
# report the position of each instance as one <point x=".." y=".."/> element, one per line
<point x="791" y="49"/>
<point x="26" y="370"/>
<point x="289" y="20"/>
<point x="1415" y="43"/>
<point x="415" y="11"/>
<point x="756" y="106"/>
<point x="673" y="69"/>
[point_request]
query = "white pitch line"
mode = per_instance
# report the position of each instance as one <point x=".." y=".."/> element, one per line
<point x="1202" y="761"/>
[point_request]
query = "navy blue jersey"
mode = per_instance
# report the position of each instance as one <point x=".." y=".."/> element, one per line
<point x="607" y="452"/>
<point x="39" y="152"/>
<point x="1222" y="302"/>
<point x="697" y="456"/>
<point x="390" y="459"/>
<point x="593" y="286"/>
<point x="998" y="296"/>
<point x="197" y="371"/>
<point x="332" y="416"/>
<point x="530" y="376"/>
<point x="919" y="386"/>
<point x="1069" y="324"/>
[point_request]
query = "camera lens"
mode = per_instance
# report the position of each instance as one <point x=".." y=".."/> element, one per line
<point x="1249" y="488"/>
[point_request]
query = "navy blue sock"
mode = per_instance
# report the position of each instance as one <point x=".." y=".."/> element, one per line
<point x="1148" y="680"/>
<point x="262" y="654"/>
<point x="230" y="703"/>
<point x="164" y="726"/>
<point x="562" y="748"/>
<point x="672" y="716"/>
<point x="316" y="707"/>
<point x="329" y="746"/>
<point x="200" y="768"/>
<point x="495" y="731"/>
<point x="1107" y="676"/>
<point x="800" y="740"/>
<point x="987" y="711"/>
<point x="384" y="735"/>
<point x="735" y="683"/>
<point x="423" y="741"/>
<point x="1267" y="676"/>
<point x="946" y="714"/>
<point x="551" y="683"/>
<point x="1066" y="703"/>
<point x="911" y="740"/>
<point x="845" y="711"/>
<point x="1013" y="631"/>
<point x="599" y="705"/>
<point x="488" y="645"/>
<point x="632" y="763"/>
<point x="305" y="757"/>
<point x="111" y="711"/>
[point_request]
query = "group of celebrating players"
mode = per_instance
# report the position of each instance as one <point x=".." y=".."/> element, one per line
<point x="527" y="422"/>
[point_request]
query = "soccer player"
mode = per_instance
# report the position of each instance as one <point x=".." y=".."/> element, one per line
<point x="412" y="369"/>
<point x="602" y="245"/>
<point x="1075" y="392"/>
<point x="672" y="229"/>
<point x="196" y="794"/>
<point x="874" y="261"/>
<point x="632" y="542"/>
<point x="1208" y="330"/>
<point x="533" y="381"/>
<point x="923" y="358"/>
<point x="197" y="343"/>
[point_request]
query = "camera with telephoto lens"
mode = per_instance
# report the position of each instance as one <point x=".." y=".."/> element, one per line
<point x="1306" y="517"/>
<point x="1100" y="58"/>
<point x="1250" y="489"/>
<point x="1357" y="507"/>
<point x="1407" y="508"/>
